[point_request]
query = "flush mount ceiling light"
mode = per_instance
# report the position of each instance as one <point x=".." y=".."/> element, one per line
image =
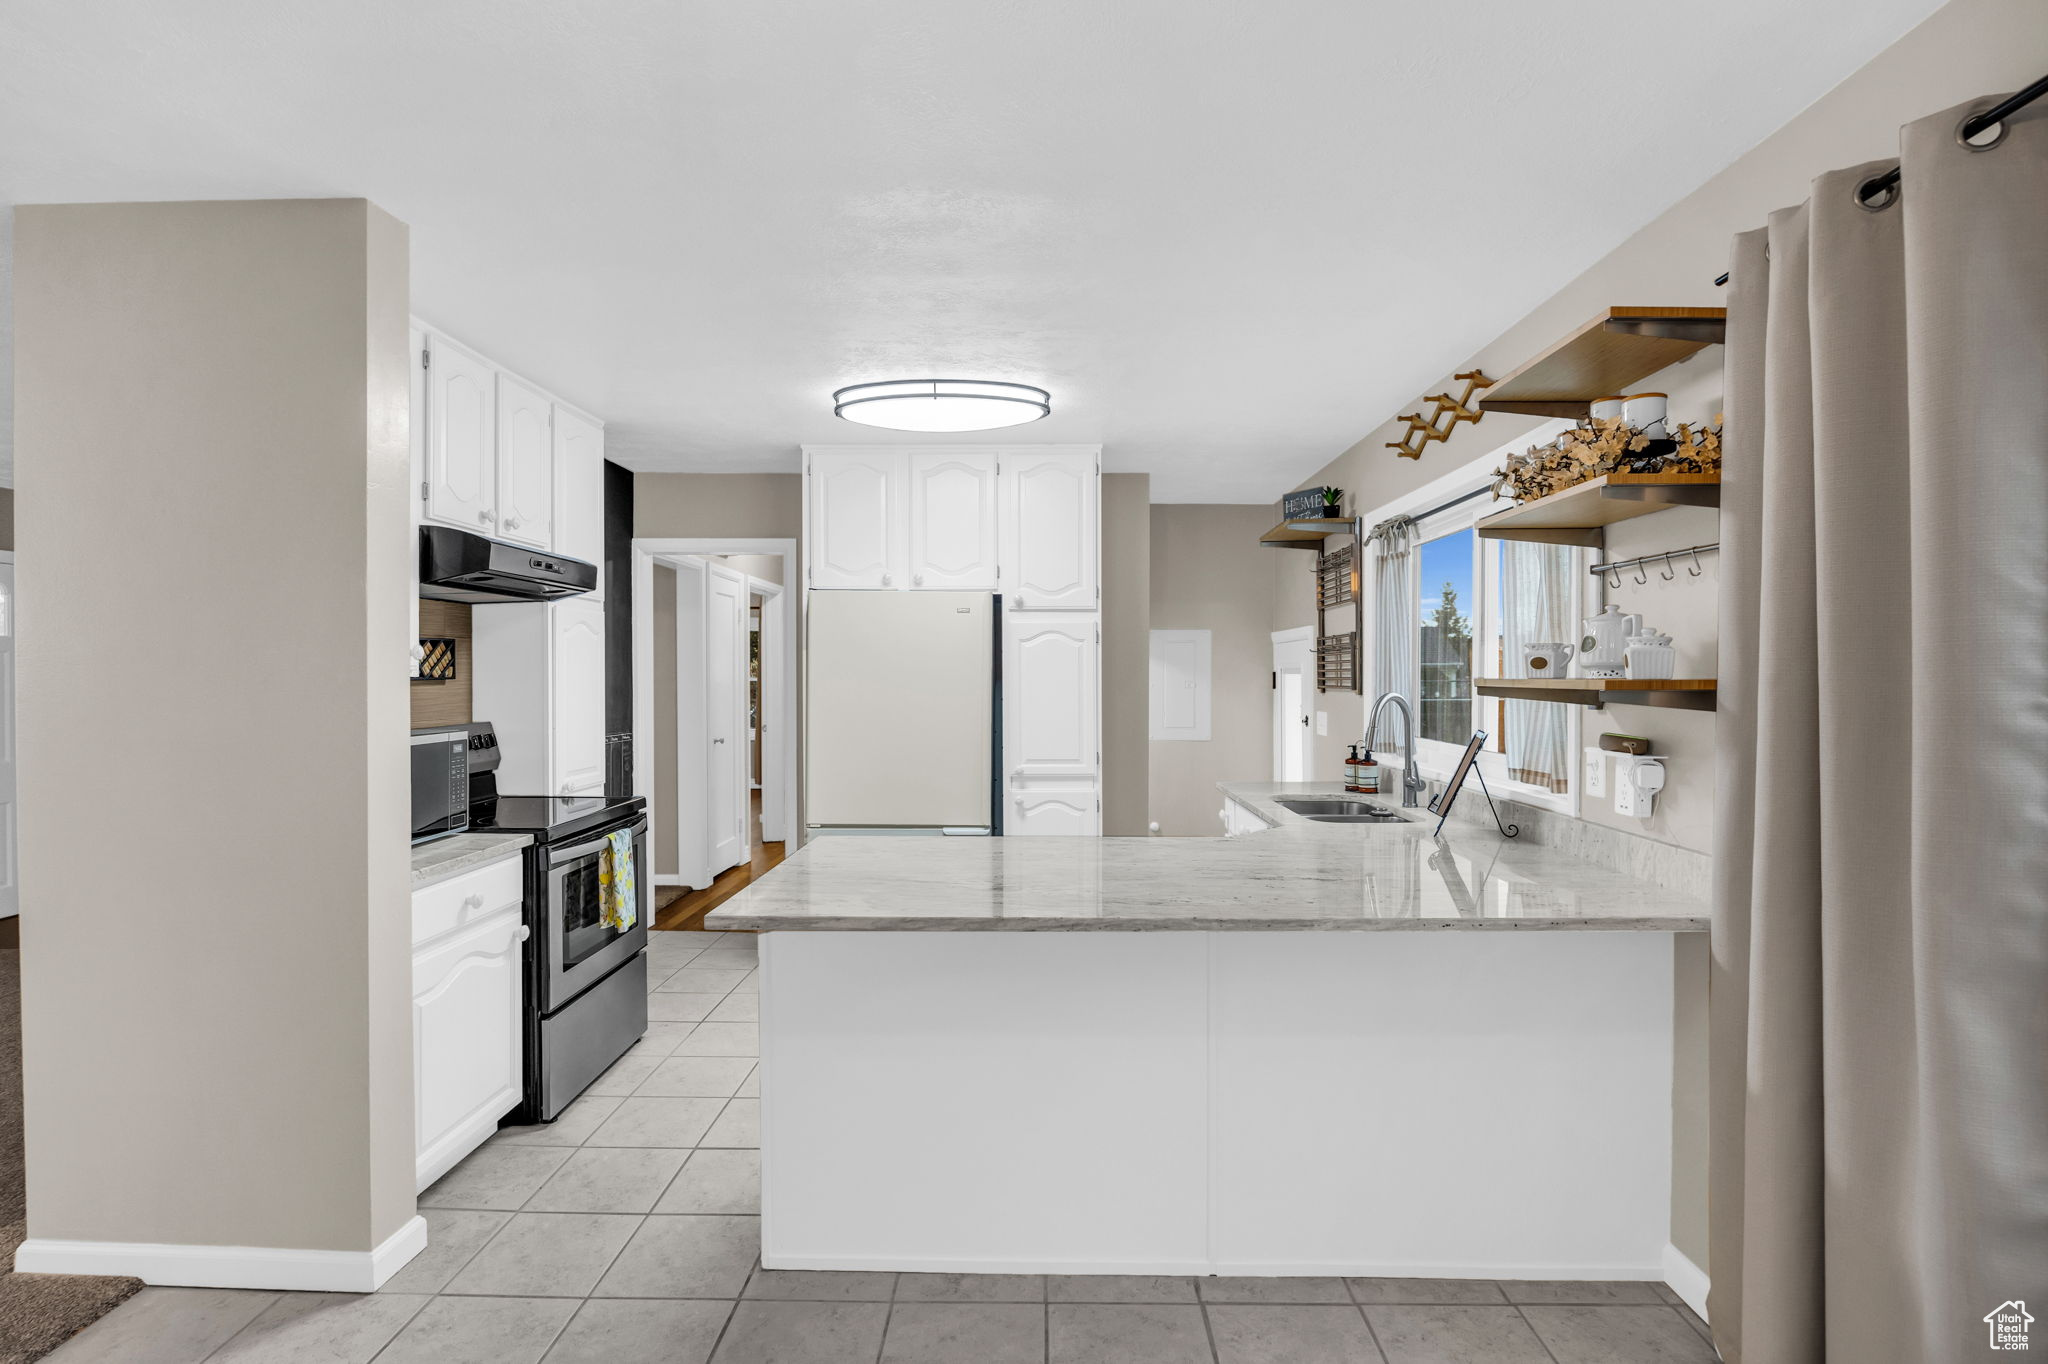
<point x="941" y="404"/>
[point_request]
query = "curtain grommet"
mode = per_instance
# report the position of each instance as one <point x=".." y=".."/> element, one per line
<point x="1966" y="139"/>
<point x="1885" y="195"/>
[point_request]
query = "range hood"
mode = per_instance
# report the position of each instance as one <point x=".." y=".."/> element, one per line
<point x="457" y="565"/>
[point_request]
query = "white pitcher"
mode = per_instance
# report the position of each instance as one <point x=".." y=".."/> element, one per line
<point x="1603" y="651"/>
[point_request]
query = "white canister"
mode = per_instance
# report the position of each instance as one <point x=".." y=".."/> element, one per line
<point x="1646" y="413"/>
<point x="1545" y="660"/>
<point x="1607" y="409"/>
<point x="1650" y="655"/>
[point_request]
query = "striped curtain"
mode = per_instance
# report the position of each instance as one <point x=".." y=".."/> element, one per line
<point x="1536" y="607"/>
<point x="1397" y="609"/>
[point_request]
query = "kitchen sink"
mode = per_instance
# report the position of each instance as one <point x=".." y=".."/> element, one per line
<point x="1368" y="815"/>
<point x="1316" y="805"/>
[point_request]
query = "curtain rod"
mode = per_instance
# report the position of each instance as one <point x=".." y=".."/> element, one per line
<point x="1971" y="127"/>
<point x="1413" y="518"/>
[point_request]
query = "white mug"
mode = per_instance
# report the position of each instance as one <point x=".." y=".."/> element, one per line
<point x="1646" y="412"/>
<point x="1545" y="660"/>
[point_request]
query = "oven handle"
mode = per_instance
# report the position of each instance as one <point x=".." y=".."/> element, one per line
<point x="558" y="856"/>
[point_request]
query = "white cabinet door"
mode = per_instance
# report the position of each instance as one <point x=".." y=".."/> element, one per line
<point x="1050" y="700"/>
<point x="526" y="464"/>
<point x="1050" y="531"/>
<point x="416" y="433"/>
<point x="576" y="712"/>
<point x="725" y="706"/>
<point x="579" y="490"/>
<point x="952" y="516"/>
<point x="855" y="517"/>
<point x="462" y="452"/>
<point x="1052" y="747"/>
<point x="467" y="1060"/>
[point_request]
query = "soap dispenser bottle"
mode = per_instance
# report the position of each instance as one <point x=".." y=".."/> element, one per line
<point x="1368" y="776"/>
<point x="1351" y="769"/>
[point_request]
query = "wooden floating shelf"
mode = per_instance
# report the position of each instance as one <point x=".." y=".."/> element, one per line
<point x="1674" y="693"/>
<point x="1606" y="357"/>
<point x="1308" y="532"/>
<point x="1577" y="515"/>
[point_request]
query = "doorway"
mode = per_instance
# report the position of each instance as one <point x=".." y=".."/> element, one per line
<point x="714" y="680"/>
<point x="1293" y="702"/>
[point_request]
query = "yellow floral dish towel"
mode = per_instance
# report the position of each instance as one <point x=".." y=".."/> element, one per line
<point x="618" y="905"/>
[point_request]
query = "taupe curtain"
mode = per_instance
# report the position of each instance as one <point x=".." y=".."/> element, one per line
<point x="1397" y="609"/>
<point x="1880" y="988"/>
<point x="1537" y="585"/>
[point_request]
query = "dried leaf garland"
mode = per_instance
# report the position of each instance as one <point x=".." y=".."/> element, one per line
<point x="1604" y="446"/>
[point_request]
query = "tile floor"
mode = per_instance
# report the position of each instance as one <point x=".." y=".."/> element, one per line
<point x="627" y="1231"/>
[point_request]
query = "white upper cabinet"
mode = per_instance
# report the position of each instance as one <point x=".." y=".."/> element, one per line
<point x="1050" y="531"/>
<point x="576" y="715"/>
<point x="462" y="460"/>
<point x="526" y="464"/>
<point x="855" y="518"/>
<point x="579" y="490"/>
<point x="952" y="517"/>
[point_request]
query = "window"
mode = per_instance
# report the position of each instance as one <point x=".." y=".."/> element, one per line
<point x="1477" y="602"/>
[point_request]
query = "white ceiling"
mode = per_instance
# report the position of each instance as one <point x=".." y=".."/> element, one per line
<point x="1230" y="237"/>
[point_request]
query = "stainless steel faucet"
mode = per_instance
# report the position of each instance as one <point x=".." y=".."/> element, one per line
<point x="1412" y="784"/>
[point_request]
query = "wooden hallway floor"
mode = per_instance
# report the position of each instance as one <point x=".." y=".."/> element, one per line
<point x="685" y="909"/>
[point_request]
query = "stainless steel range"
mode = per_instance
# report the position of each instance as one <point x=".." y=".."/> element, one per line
<point x="586" y="981"/>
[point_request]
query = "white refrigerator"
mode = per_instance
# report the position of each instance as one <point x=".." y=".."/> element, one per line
<point x="900" y="712"/>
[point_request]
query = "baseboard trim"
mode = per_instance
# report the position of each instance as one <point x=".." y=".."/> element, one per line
<point x="324" y="1271"/>
<point x="1246" y="1268"/>
<point x="1686" y="1279"/>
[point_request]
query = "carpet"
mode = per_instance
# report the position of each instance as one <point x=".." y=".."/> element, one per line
<point x="38" y="1312"/>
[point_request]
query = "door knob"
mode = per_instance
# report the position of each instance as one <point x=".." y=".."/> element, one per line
<point x="917" y="580"/>
<point x="885" y="580"/>
<point x="718" y="741"/>
<point x="511" y="523"/>
<point x="484" y="518"/>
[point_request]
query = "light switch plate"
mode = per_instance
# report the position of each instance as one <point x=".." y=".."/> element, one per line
<point x="1322" y="722"/>
<point x="1596" y="772"/>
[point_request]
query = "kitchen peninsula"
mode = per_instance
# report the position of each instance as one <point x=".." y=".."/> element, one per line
<point x="1310" y="1049"/>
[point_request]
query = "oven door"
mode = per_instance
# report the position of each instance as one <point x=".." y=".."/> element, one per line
<point x="581" y="950"/>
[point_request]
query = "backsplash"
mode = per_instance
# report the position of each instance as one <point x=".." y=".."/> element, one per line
<point x="1664" y="864"/>
<point x="445" y="703"/>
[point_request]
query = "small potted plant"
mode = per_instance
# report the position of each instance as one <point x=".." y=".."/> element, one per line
<point x="1333" y="502"/>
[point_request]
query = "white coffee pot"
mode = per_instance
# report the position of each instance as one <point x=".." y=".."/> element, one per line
<point x="1603" y="650"/>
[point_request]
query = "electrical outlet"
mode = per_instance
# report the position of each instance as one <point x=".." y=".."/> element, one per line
<point x="1625" y="798"/>
<point x="1596" y="773"/>
<point x="1322" y="722"/>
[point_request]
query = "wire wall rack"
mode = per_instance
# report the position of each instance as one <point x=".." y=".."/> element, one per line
<point x="1337" y="662"/>
<point x="1337" y="578"/>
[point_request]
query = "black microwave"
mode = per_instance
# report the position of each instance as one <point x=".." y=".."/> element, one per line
<point x="440" y="782"/>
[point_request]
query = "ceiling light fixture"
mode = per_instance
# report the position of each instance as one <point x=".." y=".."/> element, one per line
<point x="941" y="404"/>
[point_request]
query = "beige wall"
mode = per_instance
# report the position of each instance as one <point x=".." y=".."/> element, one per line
<point x="1126" y="652"/>
<point x="1209" y="572"/>
<point x="216" y="968"/>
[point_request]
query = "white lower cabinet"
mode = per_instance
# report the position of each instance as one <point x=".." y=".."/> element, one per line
<point x="1239" y="820"/>
<point x="467" y="998"/>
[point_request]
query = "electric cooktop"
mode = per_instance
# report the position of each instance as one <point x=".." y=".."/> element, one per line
<point x="550" y="818"/>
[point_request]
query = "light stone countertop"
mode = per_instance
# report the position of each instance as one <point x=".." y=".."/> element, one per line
<point x="458" y="853"/>
<point x="1295" y="875"/>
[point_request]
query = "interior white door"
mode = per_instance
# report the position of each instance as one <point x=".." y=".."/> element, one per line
<point x="1052" y="738"/>
<point x="10" y="828"/>
<point x="526" y="464"/>
<point x="462" y="453"/>
<point x="725" y="705"/>
<point x="1293" y="699"/>
<point x="777" y="808"/>
<point x="952" y="521"/>
<point x="579" y="490"/>
<point x="692" y="822"/>
<point x="1050" y="530"/>
<point x="576" y="719"/>
<point x="856" y="519"/>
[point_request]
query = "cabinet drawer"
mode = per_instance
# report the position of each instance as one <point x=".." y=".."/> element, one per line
<point x="462" y="901"/>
